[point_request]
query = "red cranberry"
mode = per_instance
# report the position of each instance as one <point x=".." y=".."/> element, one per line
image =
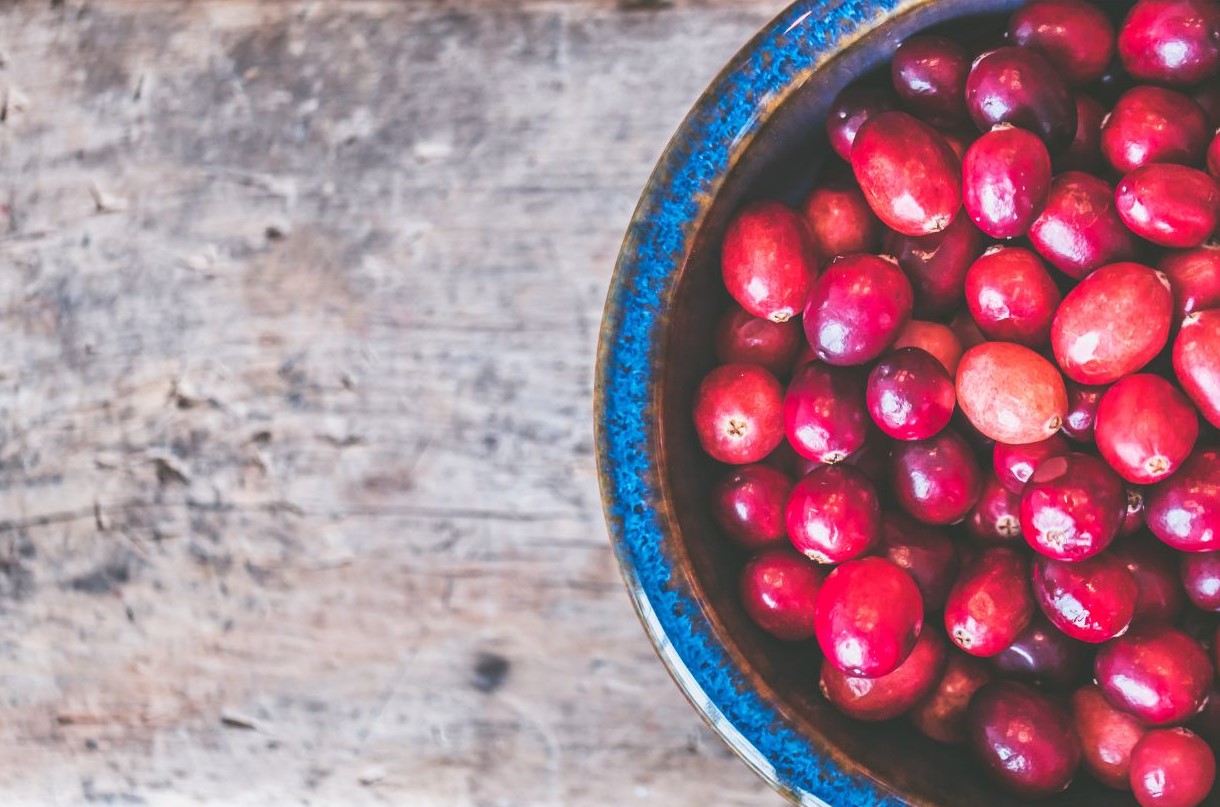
<point x="1075" y="36"/>
<point x="833" y="514"/>
<point x="990" y="604"/>
<point x="1146" y="428"/>
<point x="1196" y="361"/>
<point x="1082" y="411"/>
<point x="1072" y="507"/>
<point x="1091" y="600"/>
<point x="1171" y="41"/>
<point x="1201" y="579"/>
<point x="1112" y="324"/>
<point x="739" y="413"/>
<point x="1024" y="740"/>
<point x="936" y="480"/>
<point x="1133" y="521"/>
<point x="742" y="338"/>
<point x="1043" y="656"/>
<point x="1194" y="276"/>
<point x="767" y="261"/>
<point x="929" y="74"/>
<point x="1154" y="567"/>
<point x="778" y="591"/>
<point x="937" y="339"/>
<point x="1184" y="510"/>
<point x="1010" y="393"/>
<point x="937" y="264"/>
<point x="1079" y="229"/>
<point x="1085" y="152"/>
<point x="1154" y="125"/>
<point x="910" y="394"/>
<point x="1011" y="296"/>
<point x="996" y="518"/>
<point x="824" y="414"/>
<point x="942" y="714"/>
<point x="1170" y="205"/>
<point x="748" y="504"/>
<point x="1006" y="175"/>
<point x="1156" y="673"/>
<point x="856" y="309"/>
<point x="922" y="552"/>
<point x="887" y="696"/>
<point x="1107" y="737"/>
<point x="869" y="614"/>
<point x="1014" y="465"/>
<point x="1019" y="86"/>
<point x="1172" y="768"/>
<point x="850" y="110"/>
<point x="840" y="221"/>
<point x="909" y="175"/>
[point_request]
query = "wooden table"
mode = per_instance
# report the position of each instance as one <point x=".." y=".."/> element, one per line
<point x="298" y="497"/>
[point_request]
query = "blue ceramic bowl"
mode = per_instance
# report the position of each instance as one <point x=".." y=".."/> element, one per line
<point x="756" y="131"/>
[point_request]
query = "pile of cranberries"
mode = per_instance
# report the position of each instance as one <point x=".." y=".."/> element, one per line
<point x="969" y="395"/>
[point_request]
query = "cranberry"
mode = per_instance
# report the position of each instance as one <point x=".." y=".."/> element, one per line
<point x="910" y="394"/>
<point x="1011" y="296"/>
<point x="942" y="714"/>
<point x="1154" y="567"/>
<point x="1154" y="125"/>
<point x="1170" y="205"/>
<point x="1112" y="324"/>
<point x="1201" y="579"/>
<point x="739" y="413"/>
<point x="742" y="338"/>
<point x="850" y="110"/>
<point x="1091" y="600"/>
<point x="1014" y="465"/>
<point x="887" y="696"/>
<point x="1171" y="41"/>
<point x="1184" y="510"/>
<point x="937" y="264"/>
<point x="856" y="309"/>
<point x="936" y="480"/>
<point x="1207" y="722"/>
<point x="840" y="221"/>
<point x="1145" y="443"/>
<point x="1133" y="521"/>
<point x="1075" y="36"/>
<point x="937" y="339"/>
<point x="748" y="504"/>
<point x="1079" y="229"/>
<point x="996" y="518"/>
<point x="1213" y="156"/>
<point x="1156" y="673"/>
<point x="824" y="413"/>
<point x="767" y="261"/>
<point x="1042" y="655"/>
<point x="1010" y="393"/>
<point x="1107" y="737"/>
<point x="1084" y="154"/>
<point x="1194" y="276"/>
<point x="990" y="604"/>
<point x="833" y="514"/>
<point x="869" y="615"/>
<point x="1006" y="176"/>
<point x="778" y="591"/>
<point x="922" y="552"/>
<point x="1172" y="768"/>
<point x="1019" y="86"/>
<point x="1072" y="507"/>
<point x="909" y="174"/>
<point x="966" y="329"/>
<point x="929" y="74"/>
<point x="1207" y="95"/>
<point x="1082" y="411"/>
<point x="1024" y="740"/>
<point x="1196" y="361"/>
<point x="873" y="458"/>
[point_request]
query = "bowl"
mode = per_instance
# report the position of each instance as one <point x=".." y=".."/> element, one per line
<point x="756" y="131"/>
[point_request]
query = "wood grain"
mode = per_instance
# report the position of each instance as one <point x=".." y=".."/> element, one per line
<point x="297" y="491"/>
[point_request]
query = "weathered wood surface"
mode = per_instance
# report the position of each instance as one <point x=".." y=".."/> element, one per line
<point x="297" y="490"/>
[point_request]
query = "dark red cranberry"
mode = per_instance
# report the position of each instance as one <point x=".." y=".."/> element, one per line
<point x="856" y="309"/>
<point x="1024" y="740"/>
<point x="910" y="394"/>
<point x="1014" y="465"/>
<point x="1170" y="205"/>
<point x="929" y="74"/>
<point x="767" y="261"/>
<point x="1194" y="276"/>
<point x="1019" y="86"/>
<point x="1196" y="361"/>
<point x="1090" y="600"/>
<point x="936" y="480"/>
<point x="1079" y="229"/>
<point x="1042" y="655"/>
<point x="942" y="714"/>
<point x="739" y="413"/>
<point x="1146" y="428"/>
<point x="1171" y="41"/>
<point x="1207" y="95"/>
<point x="1154" y="125"/>
<point x="923" y="552"/>
<point x="850" y="110"/>
<point x="996" y="518"/>
<point x="887" y="696"/>
<point x="1072" y="507"/>
<point x="1156" y="673"/>
<point x="937" y="264"/>
<point x="748" y="504"/>
<point x="833" y="514"/>
<point x="1085" y="152"/>
<point x="1154" y="567"/>
<point x="1133" y="521"/>
<point x="966" y="329"/>
<point x="778" y="591"/>
<point x="1201" y="579"/>
<point x="990" y="604"/>
<point x="873" y="459"/>
<point x="1010" y="393"/>
<point x="1172" y="768"/>
<point x="1207" y="723"/>
<point x="1082" y="411"/>
<point x="1006" y="176"/>
<point x="1075" y="36"/>
<point x="742" y="338"/>
<point x="1184" y="510"/>
<point x="937" y="339"/>
<point x="1112" y="324"/>
<point x="1012" y="297"/>
<point x="1107" y="737"/>
<point x="869" y="614"/>
<point x="910" y="177"/>
<point x="840" y="221"/>
<point x="824" y="415"/>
